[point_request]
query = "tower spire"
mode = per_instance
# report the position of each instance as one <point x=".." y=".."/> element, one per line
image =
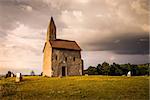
<point x="51" y="31"/>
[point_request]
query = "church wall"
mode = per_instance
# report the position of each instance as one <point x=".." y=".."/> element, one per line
<point x="47" y="60"/>
<point x="63" y="57"/>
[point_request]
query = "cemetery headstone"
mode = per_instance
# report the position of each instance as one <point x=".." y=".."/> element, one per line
<point x="12" y="75"/>
<point x="18" y="77"/>
<point x="129" y="74"/>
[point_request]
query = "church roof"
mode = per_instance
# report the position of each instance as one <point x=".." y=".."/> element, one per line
<point x="65" y="44"/>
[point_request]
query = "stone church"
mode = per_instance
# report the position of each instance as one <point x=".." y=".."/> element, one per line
<point x="61" y="57"/>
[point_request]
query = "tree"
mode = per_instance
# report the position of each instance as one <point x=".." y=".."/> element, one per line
<point x="32" y="73"/>
<point x="115" y="69"/>
<point x="92" y="71"/>
<point x="105" y="68"/>
<point x="134" y="70"/>
<point x="99" y="69"/>
<point x="143" y="69"/>
<point x="125" y="68"/>
<point x="112" y="70"/>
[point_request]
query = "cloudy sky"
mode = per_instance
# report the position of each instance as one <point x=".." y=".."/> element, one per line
<point x="107" y="30"/>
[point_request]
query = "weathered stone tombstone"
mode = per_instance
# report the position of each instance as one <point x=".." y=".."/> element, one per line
<point x="12" y="75"/>
<point x="129" y="74"/>
<point x="18" y="77"/>
<point x="8" y="74"/>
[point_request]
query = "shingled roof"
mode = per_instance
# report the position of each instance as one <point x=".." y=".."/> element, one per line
<point x="65" y="44"/>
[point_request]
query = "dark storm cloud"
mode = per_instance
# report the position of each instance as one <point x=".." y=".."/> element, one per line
<point x="118" y="26"/>
<point x="36" y="13"/>
<point x="114" y="25"/>
<point x="122" y="44"/>
<point x="33" y="13"/>
<point x="132" y="45"/>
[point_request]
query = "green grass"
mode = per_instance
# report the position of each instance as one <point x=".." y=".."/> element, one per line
<point x="76" y="88"/>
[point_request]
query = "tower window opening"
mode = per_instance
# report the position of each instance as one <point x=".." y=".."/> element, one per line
<point x="56" y="58"/>
<point x="74" y="58"/>
<point x="65" y="58"/>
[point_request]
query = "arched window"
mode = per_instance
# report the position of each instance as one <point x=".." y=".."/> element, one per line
<point x="74" y="58"/>
<point x="65" y="58"/>
<point x="56" y="57"/>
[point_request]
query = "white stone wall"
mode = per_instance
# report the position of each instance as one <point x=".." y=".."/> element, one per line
<point x="47" y="60"/>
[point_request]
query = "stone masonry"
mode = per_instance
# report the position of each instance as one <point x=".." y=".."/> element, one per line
<point x="61" y="57"/>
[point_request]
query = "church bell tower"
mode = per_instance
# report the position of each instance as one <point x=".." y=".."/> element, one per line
<point x="51" y="31"/>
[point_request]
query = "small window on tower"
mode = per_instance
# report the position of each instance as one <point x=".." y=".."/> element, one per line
<point x="74" y="58"/>
<point x="56" y="57"/>
<point x="65" y="58"/>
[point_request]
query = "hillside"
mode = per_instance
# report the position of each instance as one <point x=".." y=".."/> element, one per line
<point x="76" y="88"/>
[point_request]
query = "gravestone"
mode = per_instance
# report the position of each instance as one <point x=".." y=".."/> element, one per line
<point x="12" y="75"/>
<point x="18" y="77"/>
<point x="129" y="74"/>
<point x="8" y="74"/>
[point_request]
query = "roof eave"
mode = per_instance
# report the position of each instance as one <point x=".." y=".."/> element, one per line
<point x="67" y="49"/>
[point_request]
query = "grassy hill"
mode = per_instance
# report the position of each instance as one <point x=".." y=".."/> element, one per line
<point x="76" y="88"/>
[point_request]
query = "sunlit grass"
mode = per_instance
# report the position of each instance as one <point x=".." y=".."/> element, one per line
<point x="80" y="87"/>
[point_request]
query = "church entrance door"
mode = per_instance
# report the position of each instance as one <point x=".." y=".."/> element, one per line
<point x="63" y="71"/>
